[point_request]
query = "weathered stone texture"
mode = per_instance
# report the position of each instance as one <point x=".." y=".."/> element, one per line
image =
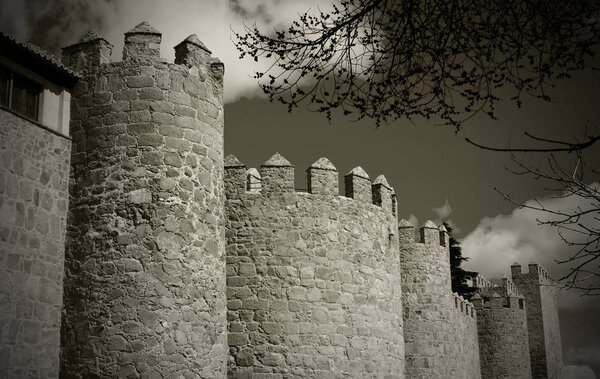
<point x="145" y="265"/>
<point x="313" y="285"/>
<point x="540" y="291"/>
<point x="440" y="334"/>
<point x="34" y="178"/>
<point x="503" y="338"/>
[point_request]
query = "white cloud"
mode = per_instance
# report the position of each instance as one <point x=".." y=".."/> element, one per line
<point x="499" y="241"/>
<point x="443" y="211"/>
<point x="413" y="220"/>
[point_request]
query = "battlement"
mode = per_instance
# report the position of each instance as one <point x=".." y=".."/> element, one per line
<point x="482" y="282"/>
<point x="464" y="306"/>
<point x="535" y="272"/>
<point x="142" y="48"/>
<point x="494" y="300"/>
<point x="276" y="177"/>
<point x="429" y="234"/>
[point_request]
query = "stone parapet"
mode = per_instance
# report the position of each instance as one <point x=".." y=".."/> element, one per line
<point x="277" y="177"/>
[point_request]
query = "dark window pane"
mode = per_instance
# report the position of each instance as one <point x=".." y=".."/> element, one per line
<point x="25" y="94"/>
<point x="4" y="86"/>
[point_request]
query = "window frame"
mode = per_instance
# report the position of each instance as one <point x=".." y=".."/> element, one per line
<point x="10" y="94"/>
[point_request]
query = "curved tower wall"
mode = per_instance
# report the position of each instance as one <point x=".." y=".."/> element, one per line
<point x="145" y="270"/>
<point x="313" y="278"/>
<point x="440" y="329"/>
<point x="503" y="340"/>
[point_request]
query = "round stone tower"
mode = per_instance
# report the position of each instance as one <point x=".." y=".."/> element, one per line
<point x="440" y="330"/>
<point x="313" y="278"/>
<point x="503" y="339"/>
<point x="145" y="269"/>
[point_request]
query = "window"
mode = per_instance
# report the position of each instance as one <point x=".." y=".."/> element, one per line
<point x="19" y="94"/>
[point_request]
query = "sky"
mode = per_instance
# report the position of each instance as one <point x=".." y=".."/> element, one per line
<point x="435" y="173"/>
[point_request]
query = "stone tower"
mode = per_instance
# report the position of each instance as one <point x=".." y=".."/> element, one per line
<point x="313" y="278"/>
<point x="502" y="331"/>
<point x="145" y="269"/>
<point x="440" y="330"/>
<point x="541" y="293"/>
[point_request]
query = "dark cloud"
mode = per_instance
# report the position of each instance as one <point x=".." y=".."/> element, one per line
<point x="254" y="10"/>
<point x="54" y="24"/>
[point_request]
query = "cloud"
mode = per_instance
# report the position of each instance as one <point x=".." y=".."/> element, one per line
<point x="577" y="372"/>
<point x="499" y="241"/>
<point x="57" y="23"/>
<point x="414" y="220"/>
<point x="443" y="211"/>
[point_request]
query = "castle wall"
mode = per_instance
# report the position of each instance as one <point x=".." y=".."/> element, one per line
<point x="145" y="267"/>
<point x="540" y="290"/>
<point x="440" y="330"/>
<point x="313" y="278"/>
<point x="34" y="177"/>
<point x="503" y="338"/>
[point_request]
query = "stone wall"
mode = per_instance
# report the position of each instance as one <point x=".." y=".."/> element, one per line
<point x="540" y="291"/>
<point x="503" y="338"/>
<point x="313" y="278"/>
<point x="440" y="333"/>
<point x="34" y="178"/>
<point x="145" y="264"/>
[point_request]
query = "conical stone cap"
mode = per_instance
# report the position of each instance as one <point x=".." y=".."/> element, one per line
<point x="358" y="171"/>
<point x="323" y="164"/>
<point x="194" y="40"/>
<point x="382" y="181"/>
<point x="143" y="28"/>
<point x="277" y="160"/>
<point x="429" y="225"/>
<point x="232" y="161"/>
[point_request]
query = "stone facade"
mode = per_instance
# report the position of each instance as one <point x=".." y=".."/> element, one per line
<point x="145" y="267"/>
<point x="313" y="279"/>
<point x="34" y="179"/>
<point x="440" y="332"/>
<point x="181" y="263"/>
<point x="540" y="292"/>
<point x="503" y="337"/>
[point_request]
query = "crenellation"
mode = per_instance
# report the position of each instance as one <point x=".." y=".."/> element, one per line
<point x="444" y="237"/>
<point x="429" y="234"/>
<point x="235" y="176"/>
<point x="89" y="52"/>
<point x="406" y="233"/>
<point x="382" y="193"/>
<point x="322" y="178"/>
<point x="277" y="175"/>
<point x="358" y="185"/>
<point x="143" y="41"/>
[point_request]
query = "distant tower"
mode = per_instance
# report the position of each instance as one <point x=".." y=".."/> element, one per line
<point x="502" y="331"/>
<point x="440" y="330"/>
<point x="540" y="292"/>
<point x="145" y="268"/>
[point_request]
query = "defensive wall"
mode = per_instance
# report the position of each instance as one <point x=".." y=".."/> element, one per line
<point x="502" y="330"/>
<point x="179" y="262"/>
<point x="540" y="290"/>
<point x="34" y="179"/>
<point x="313" y="279"/>
<point x="145" y="268"/>
<point x="440" y="329"/>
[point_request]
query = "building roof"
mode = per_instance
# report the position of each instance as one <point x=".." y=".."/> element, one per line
<point x="38" y="60"/>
